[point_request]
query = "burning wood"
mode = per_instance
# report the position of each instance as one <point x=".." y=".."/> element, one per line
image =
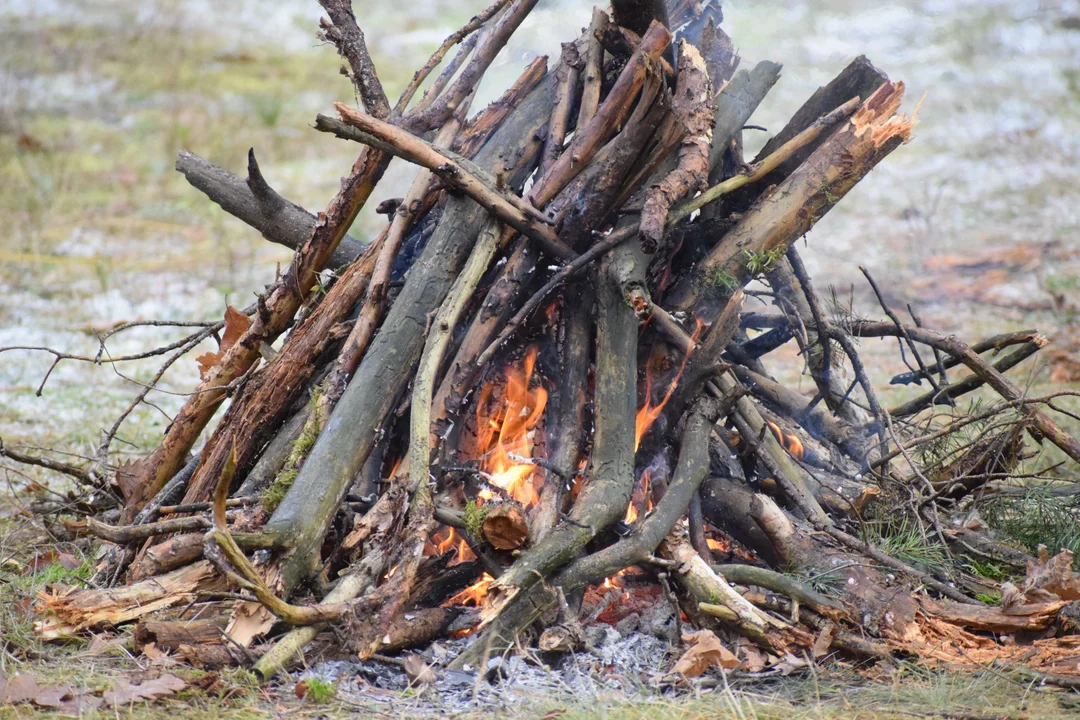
<point x="527" y="442"/>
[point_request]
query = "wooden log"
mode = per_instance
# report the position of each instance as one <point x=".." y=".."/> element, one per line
<point x="74" y="610"/>
<point x="505" y="526"/>
<point x="254" y="202"/>
<point x="859" y="79"/>
<point x="171" y="634"/>
<point x="571" y="397"/>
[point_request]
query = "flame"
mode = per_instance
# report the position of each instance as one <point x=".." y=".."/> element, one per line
<point x="446" y="539"/>
<point x="717" y="545"/>
<point x="791" y="443"/>
<point x="510" y="430"/>
<point x="474" y="594"/>
<point x="648" y="413"/>
<point x="640" y="496"/>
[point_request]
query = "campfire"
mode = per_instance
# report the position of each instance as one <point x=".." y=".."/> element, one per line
<point x="541" y="397"/>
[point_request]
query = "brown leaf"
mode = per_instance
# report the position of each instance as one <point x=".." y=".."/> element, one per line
<point x="128" y="479"/>
<point x="1051" y="575"/>
<point x="418" y="672"/>
<point x="157" y="656"/>
<point x="236" y="324"/>
<point x="705" y="651"/>
<point x="18" y="689"/>
<point x="824" y="641"/>
<point x="753" y="659"/>
<point x="300" y="689"/>
<point x="125" y="693"/>
<point x="42" y="560"/>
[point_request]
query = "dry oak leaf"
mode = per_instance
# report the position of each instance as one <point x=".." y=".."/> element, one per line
<point x="128" y="474"/>
<point x="705" y="651"/>
<point x="125" y="693"/>
<point x="236" y="324"/>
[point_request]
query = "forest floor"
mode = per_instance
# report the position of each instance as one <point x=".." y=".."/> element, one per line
<point x="976" y="223"/>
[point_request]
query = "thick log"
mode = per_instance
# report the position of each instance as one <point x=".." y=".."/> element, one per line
<point x="568" y="414"/>
<point x="255" y="202"/>
<point x="505" y="526"/>
<point x="387" y="367"/>
<point x="171" y="634"/>
<point x="859" y="79"/>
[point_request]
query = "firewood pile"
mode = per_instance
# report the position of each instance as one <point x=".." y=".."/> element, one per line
<point x="540" y="392"/>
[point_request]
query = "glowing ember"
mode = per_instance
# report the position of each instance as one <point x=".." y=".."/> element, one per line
<point x="648" y="413"/>
<point x="473" y="595"/>
<point x="510" y="432"/>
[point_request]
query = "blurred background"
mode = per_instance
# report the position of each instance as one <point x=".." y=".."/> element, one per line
<point x="975" y="223"/>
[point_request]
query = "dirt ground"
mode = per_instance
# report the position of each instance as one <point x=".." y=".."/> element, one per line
<point x="975" y="223"/>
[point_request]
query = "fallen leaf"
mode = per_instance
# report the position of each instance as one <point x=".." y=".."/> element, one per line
<point x="18" y="689"/>
<point x="40" y="561"/>
<point x="236" y="324"/>
<point x="753" y="659"/>
<point x="824" y="641"/>
<point x="790" y="664"/>
<point x="125" y="693"/>
<point x="705" y="651"/>
<point x="418" y="672"/>
<point x="157" y="656"/>
<point x="1053" y="576"/>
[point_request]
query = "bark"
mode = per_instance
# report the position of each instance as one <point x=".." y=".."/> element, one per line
<point x="568" y="438"/>
<point x="638" y="15"/>
<point x="593" y="70"/>
<point x="693" y="108"/>
<point x="76" y="610"/>
<point x="171" y="634"/>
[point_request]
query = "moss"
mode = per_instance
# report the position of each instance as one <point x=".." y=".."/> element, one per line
<point x="319" y="690"/>
<point x="276" y="491"/>
<point x="474" y="516"/>
<point x="763" y="262"/>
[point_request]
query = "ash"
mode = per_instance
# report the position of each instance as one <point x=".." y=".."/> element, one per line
<point x="616" y="667"/>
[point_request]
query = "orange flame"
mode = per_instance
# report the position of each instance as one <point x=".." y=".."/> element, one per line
<point x="446" y="539"/>
<point x="790" y="443"/>
<point x="641" y="496"/>
<point x="510" y="430"/>
<point x="473" y="595"/>
<point x="648" y="413"/>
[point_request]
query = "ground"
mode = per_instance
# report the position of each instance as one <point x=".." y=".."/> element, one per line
<point x="97" y="229"/>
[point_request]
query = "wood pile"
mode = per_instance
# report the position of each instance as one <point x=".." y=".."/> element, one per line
<point x="542" y="378"/>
